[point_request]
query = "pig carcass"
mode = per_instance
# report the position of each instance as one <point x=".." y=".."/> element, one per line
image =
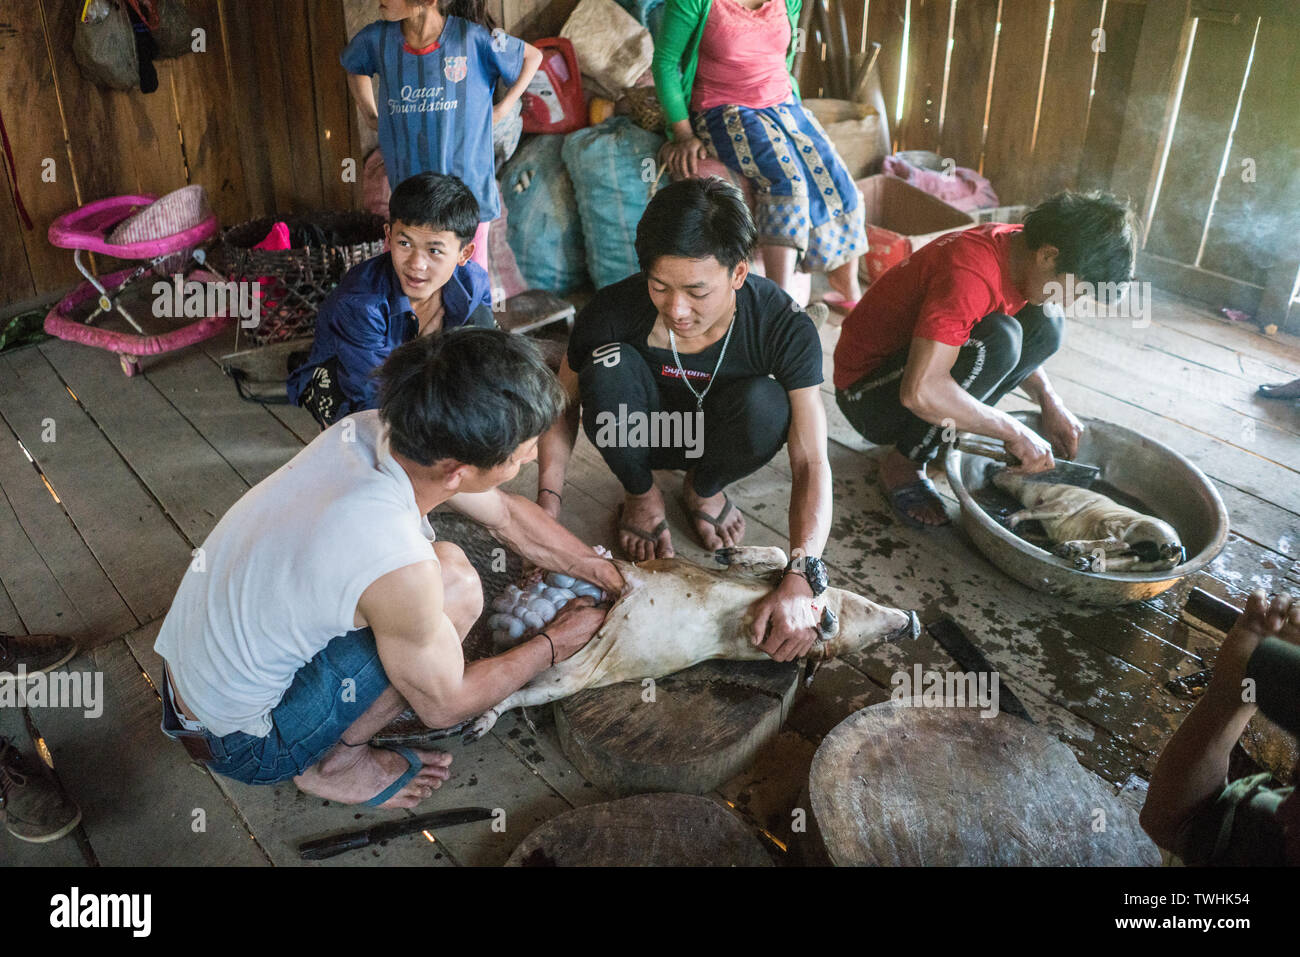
<point x="673" y="614"/>
<point x="1092" y="531"/>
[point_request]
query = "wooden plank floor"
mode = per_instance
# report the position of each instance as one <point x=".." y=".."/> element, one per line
<point x="127" y="476"/>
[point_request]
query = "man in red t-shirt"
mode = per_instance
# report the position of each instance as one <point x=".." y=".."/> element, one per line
<point x="940" y="338"/>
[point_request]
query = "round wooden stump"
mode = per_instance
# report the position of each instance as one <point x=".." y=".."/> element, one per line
<point x="896" y="785"/>
<point x="648" y="830"/>
<point x="702" y="727"/>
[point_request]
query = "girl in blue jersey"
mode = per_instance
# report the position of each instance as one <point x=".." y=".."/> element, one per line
<point x="438" y="63"/>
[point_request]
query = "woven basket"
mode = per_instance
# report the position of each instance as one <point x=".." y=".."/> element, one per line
<point x="294" y="282"/>
<point x="642" y="105"/>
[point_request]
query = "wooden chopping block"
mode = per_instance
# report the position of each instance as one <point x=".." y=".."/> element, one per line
<point x="703" y="726"/>
<point x="898" y="785"/>
<point x="648" y="830"/>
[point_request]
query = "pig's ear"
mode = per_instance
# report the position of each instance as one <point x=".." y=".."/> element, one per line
<point x="829" y="625"/>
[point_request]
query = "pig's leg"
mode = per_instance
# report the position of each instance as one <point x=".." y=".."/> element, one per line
<point x="1084" y="553"/>
<point x="551" y="685"/>
<point x="1028" y="515"/>
<point x="757" y="560"/>
<point x="1134" y="563"/>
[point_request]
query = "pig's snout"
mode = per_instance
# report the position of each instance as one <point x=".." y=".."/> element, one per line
<point x="909" y="629"/>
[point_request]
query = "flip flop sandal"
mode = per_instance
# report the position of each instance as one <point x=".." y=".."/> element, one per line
<point x="403" y="779"/>
<point x="840" y="303"/>
<point x="717" y="522"/>
<point x="920" y="492"/>
<point x="1270" y="391"/>
<point x="651" y="536"/>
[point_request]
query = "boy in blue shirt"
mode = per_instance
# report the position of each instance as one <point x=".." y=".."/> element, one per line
<point x="439" y="63"/>
<point x="424" y="284"/>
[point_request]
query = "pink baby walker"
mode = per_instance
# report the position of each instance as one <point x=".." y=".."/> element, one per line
<point x="165" y="236"/>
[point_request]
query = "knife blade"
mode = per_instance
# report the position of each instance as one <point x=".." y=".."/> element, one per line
<point x="1063" y="472"/>
<point x="953" y="640"/>
<point x="326" y="847"/>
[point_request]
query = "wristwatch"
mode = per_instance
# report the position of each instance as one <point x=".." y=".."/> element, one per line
<point x="812" y="569"/>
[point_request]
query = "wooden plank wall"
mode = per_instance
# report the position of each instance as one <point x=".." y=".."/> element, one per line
<point x="1026" y="92"/>
<point x="260" y="118"/>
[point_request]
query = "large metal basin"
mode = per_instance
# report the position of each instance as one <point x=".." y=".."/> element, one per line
<point x="1173" y="488"/>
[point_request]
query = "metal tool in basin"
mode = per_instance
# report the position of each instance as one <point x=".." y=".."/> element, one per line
<point x="1173" y="489"/>
<point x="1064" y="472"/>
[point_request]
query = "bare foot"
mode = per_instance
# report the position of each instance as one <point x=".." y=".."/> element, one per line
<point x="645" y="513"/>
<point x="732" y="531"/>
<point x="844" y="281"/>
<point x="896" y="470"/>
<point x="1285" y="390"/>
<point x="355" y="775"/>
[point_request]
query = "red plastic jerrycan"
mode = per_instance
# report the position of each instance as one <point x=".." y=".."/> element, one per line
<point x="553" y="102"/>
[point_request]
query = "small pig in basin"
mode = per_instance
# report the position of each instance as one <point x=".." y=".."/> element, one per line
<point x="673" y="614"/>
<point x="1092" y="531"/>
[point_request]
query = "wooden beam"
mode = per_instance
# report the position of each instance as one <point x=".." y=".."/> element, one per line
<point x="1148" y="110"/>
<point x="1210" y="288"/>
<point x="29" y="100"/>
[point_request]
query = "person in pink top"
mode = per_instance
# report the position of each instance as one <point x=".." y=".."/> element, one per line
<point x="722" y="72"/>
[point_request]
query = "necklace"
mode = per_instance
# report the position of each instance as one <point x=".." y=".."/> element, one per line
<point x="699" y="396"/>
<point x="436" y="315"/>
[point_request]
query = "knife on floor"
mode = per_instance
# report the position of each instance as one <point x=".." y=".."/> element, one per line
<point x="952" y="639"/>
<point x="326" y="847"/>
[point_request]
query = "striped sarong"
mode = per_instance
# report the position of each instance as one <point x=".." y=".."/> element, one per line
<point x="804" y="195"/>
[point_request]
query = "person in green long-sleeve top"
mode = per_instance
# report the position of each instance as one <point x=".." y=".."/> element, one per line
<point x="722" y="72"/>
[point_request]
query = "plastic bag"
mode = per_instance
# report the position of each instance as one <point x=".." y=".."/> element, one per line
<point x="613" y="166"/>
<point x="612" y="47"/>
<point x="176" y="26"/>
<point x="105" y="51"/>
<point x="543" y="227"/>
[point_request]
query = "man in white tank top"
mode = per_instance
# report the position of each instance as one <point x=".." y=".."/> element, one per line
<point x="320" y="606"/>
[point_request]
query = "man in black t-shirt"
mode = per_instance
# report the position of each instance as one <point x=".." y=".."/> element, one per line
<point x="694" y="364"/>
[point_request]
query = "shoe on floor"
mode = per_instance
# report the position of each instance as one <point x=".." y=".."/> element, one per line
<point x="31" y="805"/>
<point x="34" y="653"/>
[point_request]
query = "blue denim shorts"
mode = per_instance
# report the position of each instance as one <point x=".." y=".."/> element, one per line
<point x="328" y="694"/>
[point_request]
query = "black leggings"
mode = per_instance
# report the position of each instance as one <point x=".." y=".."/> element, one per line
<point x="745" y="423"/>
<point x="1001" y="352"/>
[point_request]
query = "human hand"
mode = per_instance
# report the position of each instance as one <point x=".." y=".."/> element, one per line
<point x="785" y="620"/>
<point x="1061" y="427"/>
<point x="1261" y="619"/>
<point x="574" y="626"/>
<point x="601" y="571"/>
<point x="683" y="156"/>
<point x="1031" y="449"/>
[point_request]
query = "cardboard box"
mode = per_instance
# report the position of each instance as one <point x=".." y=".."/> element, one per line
<point x="1000" y="214"/>
<point x="856" y="130"/>
<point x="900" y="220"/>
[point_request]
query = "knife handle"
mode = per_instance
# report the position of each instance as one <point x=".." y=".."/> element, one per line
<point x="989" y="451"/>
<point x="327" y="847"/>
<point x="1212" y="610"/>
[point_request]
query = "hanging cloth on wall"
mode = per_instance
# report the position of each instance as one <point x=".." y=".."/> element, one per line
<point x="146" y="47"/>
<point x="11" y="173"/>
<point x="116" y="48"/>
<point x="146" y="12"/>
